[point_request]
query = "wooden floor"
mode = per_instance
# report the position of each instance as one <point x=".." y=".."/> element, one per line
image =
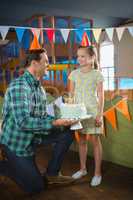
<point x="117" y="182"/>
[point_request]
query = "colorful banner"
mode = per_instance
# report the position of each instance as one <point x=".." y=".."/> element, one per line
<point x="77" y="137"/>
<point x="130" y="29"/>
<point x="120" y="32"/>
<point x="50" y="34"/>
<point x="79" y="34"/>
<point x="111" y="117"/>
<point x="96" y="33"/>
<point x="4" y="30"/>
<point x="36" y="32"/>
<point x="65" y="33"/>
<point x="20" y="33"/>
<point x="110" y="114"/>
<point x="122" y="107"/>
<point x="110" y="32"/>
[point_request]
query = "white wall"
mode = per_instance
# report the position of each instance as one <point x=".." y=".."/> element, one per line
<point x="123" y="50"/>
<point x="124" y="55"/>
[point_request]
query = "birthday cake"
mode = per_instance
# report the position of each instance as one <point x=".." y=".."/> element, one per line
<point x="73" y="111"/>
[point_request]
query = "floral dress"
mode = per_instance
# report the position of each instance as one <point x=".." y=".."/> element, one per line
<point x="86" y="92"/>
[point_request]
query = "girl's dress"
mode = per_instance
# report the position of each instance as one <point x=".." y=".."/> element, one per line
<point x="86" y="92"/>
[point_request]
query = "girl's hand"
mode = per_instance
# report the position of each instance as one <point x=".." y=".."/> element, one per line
<point x="98" y="121"/>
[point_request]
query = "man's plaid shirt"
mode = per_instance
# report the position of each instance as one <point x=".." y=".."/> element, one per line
<point x="24" y="115"/>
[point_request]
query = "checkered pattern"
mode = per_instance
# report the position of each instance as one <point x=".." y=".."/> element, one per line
<point x="24" y="115"/>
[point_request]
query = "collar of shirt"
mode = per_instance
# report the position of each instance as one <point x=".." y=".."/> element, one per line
<point x="31" y="79"/>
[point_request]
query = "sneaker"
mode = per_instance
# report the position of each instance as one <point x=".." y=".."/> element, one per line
<point x="79" y="174"/>
<point x="60" y="179"/>
<point x="96" y="180"/>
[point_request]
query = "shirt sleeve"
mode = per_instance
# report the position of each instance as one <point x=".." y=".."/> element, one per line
<point x="100" y="77"/>
<point x="71" y="76"/>
<point x="20" y="108"/>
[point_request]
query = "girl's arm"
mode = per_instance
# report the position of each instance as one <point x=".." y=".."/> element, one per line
<point x="71" y="87"/>
<point x="100" y="93"/>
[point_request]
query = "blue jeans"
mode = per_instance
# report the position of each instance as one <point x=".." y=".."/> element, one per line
<point x="24" y="169"/>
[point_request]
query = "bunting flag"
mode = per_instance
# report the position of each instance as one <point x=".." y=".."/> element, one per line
<point x="79" y="34"/>
<point x="111" y="117"/>
<point x="50" y="34"/>
<point x="110" y="32"/>
<point x="36" y="31"/>
<point x="65" y="33"/>
<point x="130" y="29"/>
<point x="35" y="44"/>
<point x="120" y="32"/>
<point x="85" y="40"/>
<point x="4" y="31"/>
<point x="77" y="137"/>
<point x="20" y="33"/>
<point x="123" y="108"/>
<point x="96" y="33"/>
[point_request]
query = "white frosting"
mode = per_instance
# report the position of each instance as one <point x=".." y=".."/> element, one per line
<point x="72" y="111"/>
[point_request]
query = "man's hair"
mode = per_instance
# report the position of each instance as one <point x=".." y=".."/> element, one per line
<point x="33" y="55"/>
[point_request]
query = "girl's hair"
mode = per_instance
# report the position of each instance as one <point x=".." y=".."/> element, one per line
<point x="33" y="55"/>
<point x="92" y="52"/>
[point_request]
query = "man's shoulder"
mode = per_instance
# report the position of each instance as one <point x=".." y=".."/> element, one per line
<point x="18" y="82"/>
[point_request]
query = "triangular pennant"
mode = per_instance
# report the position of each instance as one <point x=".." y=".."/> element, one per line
<point x="123" y="108"/>
<point x="20" y="33"/>
<point x="50" y="34"/>
<point x="85" y="40"/>
<point x="35" y="44"/>
<point x="120" y="32"/>
<point x="110" y="32"/>
<point x="130" y="29"/>
<point x="96" y="33"/>
<point x="4" y="31"/>
<point x="79" y="34"/>
<point x="36" y="31"/>
<point x="77" y="136"/>
<point x="111" y="117"/>
<point x="65" y="33"/>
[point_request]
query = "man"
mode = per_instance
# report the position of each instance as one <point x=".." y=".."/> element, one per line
<point x="26" y="124"/>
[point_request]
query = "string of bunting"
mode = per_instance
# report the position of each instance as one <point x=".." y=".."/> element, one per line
<point x="82" y="34"/>
<point x="110" y="115"/>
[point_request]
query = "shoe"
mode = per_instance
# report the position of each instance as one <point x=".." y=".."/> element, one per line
<point x="79" y="174"/>
<point x="96" y="180"/>
<point x="60" y="179"/>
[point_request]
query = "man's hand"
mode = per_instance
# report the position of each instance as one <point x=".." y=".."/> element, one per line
<point x="64" y="122"/>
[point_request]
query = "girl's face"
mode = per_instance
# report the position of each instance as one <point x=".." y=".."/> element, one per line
<point x="84" y="58"/>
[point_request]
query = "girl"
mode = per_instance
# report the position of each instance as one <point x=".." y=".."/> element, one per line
<point x="86" y="85"/>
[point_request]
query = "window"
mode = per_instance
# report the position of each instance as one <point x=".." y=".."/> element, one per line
<point x="126" y="83"/>
<point x="107" y="64"/>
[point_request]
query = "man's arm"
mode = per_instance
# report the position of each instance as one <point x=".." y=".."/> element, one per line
<point x="20" y="107"/>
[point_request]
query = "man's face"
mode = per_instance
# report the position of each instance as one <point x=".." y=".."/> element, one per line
<point x="42" y="65"/>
